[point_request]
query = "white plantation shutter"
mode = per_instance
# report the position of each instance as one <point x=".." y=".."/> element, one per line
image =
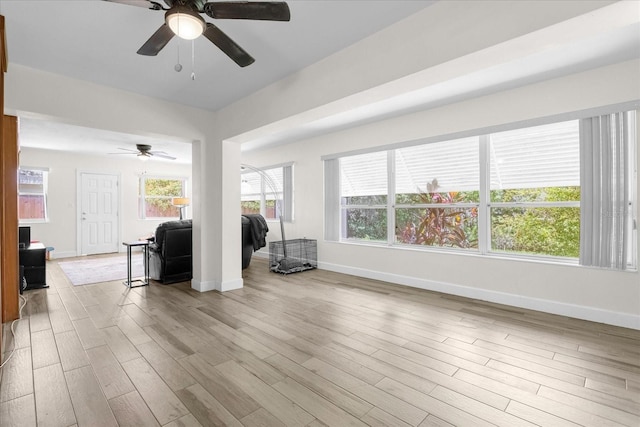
<point x="251" y="186"/>
<point x="535" y="157"/>
<point x="363" y="175"/>
<point x="540" y="156"/>
<point x="276" y="179"/>
<point x="455" y="164"/>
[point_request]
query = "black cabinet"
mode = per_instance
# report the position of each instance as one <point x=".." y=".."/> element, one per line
<point x="33" y="259"/>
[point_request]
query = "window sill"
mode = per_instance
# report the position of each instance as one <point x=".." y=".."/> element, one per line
<point x="32" y="221"/>
<point x="567" y="262"/>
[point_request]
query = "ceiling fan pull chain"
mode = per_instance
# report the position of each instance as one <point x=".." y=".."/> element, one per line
<point x="178" y="66"/>
<point x="193" y="59"/>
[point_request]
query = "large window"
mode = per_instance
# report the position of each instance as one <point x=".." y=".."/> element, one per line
<point x="267" y="191"/>
<point x="32" y="194"/>
<point x="514" y="192"/>
<point x="156" y="194"/>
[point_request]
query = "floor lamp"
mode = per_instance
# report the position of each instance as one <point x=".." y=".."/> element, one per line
<point x="180" y="203"/>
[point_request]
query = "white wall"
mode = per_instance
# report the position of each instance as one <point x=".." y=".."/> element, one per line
<point x="600" y="295"/>
<point x="60" y="231"/>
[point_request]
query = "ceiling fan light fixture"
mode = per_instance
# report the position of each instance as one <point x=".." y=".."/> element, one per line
<point x="143" y="156"/>
<point x="185" y="23"/>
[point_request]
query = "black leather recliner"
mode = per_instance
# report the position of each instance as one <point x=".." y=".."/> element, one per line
<point x="171" y="252"/>
<point x="247" y="242"/>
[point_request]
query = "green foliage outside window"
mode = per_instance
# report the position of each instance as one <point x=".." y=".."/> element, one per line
<point x="158" y="197"/>
<point x="253" y="207"/>
<point x="553" y="231"/>
<point x="366" y="224"/>
<point x="250" y="206"/>
<point x="438" y="226"/>
<point x="544" y="194"/>
<point x="538" y="230"/>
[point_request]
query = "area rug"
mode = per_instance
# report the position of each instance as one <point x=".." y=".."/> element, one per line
<point x="107" y="269"/>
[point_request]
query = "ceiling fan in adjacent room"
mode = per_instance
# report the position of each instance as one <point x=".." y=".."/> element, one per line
<point x="182" y="18"/>
<point x="143" y="151"/>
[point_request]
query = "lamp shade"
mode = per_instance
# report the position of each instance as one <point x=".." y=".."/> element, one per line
<point x="185" y="23"/>
<point x="180" y="201"/>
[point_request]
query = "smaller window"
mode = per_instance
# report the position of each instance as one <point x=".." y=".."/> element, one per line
<point x="268" y="192"/>
<point x="32" y="194"/>
<point x="156" y="194"/>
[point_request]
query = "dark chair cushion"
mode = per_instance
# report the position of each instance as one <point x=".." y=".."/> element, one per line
<point x="247" y="242"/>
<point x="171" y="252"/>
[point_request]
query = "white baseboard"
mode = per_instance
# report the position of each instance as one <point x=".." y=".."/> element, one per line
<point x="57" y="254"/>
<point x="593" y="314"/>
<point x="228" y="285"/>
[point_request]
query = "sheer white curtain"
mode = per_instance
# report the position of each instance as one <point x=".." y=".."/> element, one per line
<point x="605" y="196"/>
<point x="331" y="199"/>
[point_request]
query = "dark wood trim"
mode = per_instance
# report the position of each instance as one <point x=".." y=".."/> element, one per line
<point x="3" y="67"/>
<point x="9" y="258"/>
<point x="4" y="60"/>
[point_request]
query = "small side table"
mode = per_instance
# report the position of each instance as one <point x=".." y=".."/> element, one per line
<point x="144" y="244"/>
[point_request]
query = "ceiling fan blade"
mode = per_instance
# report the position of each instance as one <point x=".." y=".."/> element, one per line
<point x="161" y="154"/>
<point x="259" y="10"/>
<point x="228" y="46"/>
<point x="157" y="41"/>
<point x="147" y="4"/>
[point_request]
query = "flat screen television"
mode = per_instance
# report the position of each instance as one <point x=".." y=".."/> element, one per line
<point x="24" y="237"/>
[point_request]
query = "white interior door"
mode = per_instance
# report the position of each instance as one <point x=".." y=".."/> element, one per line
<point x="99" y="213"/>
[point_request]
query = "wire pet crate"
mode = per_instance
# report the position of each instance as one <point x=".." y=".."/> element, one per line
<point x="293" y="256"/>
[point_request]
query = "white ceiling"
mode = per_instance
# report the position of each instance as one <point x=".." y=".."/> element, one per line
<point x="101" y="48"/>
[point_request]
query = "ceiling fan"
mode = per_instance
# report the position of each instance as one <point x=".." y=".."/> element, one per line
<point x="182" y="18"/>
<point x="143" y="151"/>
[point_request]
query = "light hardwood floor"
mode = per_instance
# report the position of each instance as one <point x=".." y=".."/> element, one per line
<point x="308" y="349"/>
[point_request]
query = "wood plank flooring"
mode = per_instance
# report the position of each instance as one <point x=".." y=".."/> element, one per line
<point x="308" y="349"/>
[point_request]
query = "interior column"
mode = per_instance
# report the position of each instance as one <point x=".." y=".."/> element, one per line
<point x="217" y="263"/>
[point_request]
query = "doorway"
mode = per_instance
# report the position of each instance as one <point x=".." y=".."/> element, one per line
<point x="99" y="219"/>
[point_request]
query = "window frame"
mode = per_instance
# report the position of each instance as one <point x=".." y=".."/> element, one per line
<point x="142" y="197"/>
<point x="45" y="191"/>
<point x="334" y="225"/>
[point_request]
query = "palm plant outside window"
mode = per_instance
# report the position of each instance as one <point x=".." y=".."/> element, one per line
<point x="437" y="194"/>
